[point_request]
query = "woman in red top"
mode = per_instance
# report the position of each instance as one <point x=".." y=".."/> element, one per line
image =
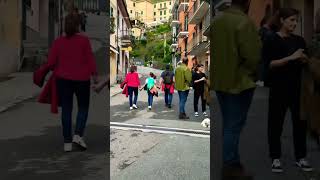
<point x="133" y="82"/>
<point x="73" y="64"/>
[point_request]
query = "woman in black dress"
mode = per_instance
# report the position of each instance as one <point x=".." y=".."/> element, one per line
<point x="199" y="80"/>
<point x="285" y="53"/>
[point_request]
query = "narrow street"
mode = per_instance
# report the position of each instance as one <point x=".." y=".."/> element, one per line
<point x="31" y="137"/>
<point x="140" y="152"/>
<point x="146" y="153"/>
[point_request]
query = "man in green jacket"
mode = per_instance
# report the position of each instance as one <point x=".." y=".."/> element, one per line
<point x="235" y="56"/>
<point x="183" y="79"/>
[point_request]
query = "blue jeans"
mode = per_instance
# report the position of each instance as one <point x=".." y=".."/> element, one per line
<point x="183" y="96"/>
<point x="132" y="90"/>
<point x="167" y="97"/>
<point x="150" y="99"/>
<point x="234" y="108"/>
<point x="66" y="90"/>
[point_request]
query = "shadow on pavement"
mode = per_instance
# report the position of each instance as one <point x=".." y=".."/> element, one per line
<point x="42" y="157"/>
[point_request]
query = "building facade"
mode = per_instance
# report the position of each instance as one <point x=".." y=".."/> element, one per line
<point x="150" y="12"/>
<point x="199" y="44"/>
<point x="113" y="41"/>
<point x="10" y="36"/>
<point x="120" y="40"/>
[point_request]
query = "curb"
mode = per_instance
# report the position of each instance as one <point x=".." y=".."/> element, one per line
<point x="16" y="102"/>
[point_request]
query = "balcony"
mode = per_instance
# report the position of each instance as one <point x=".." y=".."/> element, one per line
<point x="183" y="31"/>
<point x="183" y="5"/>
<point x="198" y="11"/>
<point x="175" y="19"/>
<point x="198" y="45"/>
<point x="206" y="25"/>
<point x="125" y="37"/>
<point x="174" y="44"/>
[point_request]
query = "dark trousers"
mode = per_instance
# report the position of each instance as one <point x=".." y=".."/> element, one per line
<point x="66" y="91"/>
<point x="183" y="96"/>
<point x="197" y="95"/>
<point x="234" y="108"/>
<point x="167" y="96"/>
<point x="279" y="102"/>
<point x="132" y="90"/>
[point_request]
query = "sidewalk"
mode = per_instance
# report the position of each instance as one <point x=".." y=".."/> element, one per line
<point x="21" y="88"/>
<point x="115" y="90"/>
<point x="18" y="89"/>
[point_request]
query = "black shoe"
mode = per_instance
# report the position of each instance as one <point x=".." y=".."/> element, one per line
<point x="235" y="172"/>
<point x="276" y="166"/>
<point x="183" y="116"/>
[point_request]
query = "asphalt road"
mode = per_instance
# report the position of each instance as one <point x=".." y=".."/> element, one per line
<point x="140" y="155"/>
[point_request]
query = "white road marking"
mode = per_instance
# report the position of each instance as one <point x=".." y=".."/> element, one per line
<point x="161" y="130"/>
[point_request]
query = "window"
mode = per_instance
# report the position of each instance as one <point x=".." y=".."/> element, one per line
<point x="134" y="4"/>
<point x="160" y="18"/>
<point x="164" y="4"/>
<point x="165" y="12"/>
<point x="160" y="5"/>
<point x="131" y="11"/>
<point x="154" y="13"/>
<point x="155" y="6"/>
<point x="170" y="3"/>
<point x="160" y="13"/>
<point x="154" y="19"/>
<point x="141" y="12"/>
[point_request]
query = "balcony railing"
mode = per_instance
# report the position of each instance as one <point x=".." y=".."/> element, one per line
<point x="183" y="5"/>
<point x="196" y="41"/>
<point x="206" y="24"/>
<point x="183" y="31"/>
<point x="175" y="19"/>
<point x="198" y="11"/>
<point x="125" y="34"/>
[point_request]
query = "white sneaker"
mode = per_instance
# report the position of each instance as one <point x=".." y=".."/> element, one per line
<point x="67" y="147"/>
<point x="276" y="166"/>
<point x="149" y="107"/>
<point x="77" y="140"/>
<point x="304" y="165"/>
<point x="205" y="114"/>
<point x="131" y="108"/>
<point x="135" y="106"/>
<point x="196" y="114"/>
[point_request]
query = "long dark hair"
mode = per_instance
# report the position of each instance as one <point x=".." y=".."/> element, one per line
<point x="284" y="13"/>
<point x="71" y="25"/>
<point x="133" y="69"/>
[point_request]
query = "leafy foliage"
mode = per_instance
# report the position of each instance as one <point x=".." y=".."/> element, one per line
<point x="155" y="47"/>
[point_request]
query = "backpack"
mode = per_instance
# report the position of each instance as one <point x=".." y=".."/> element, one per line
<point x="167" y="79"/>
